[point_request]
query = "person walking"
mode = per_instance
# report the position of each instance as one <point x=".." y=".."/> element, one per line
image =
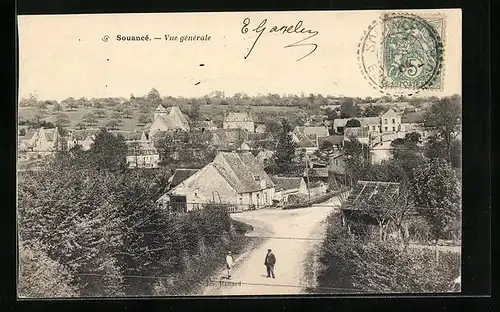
<point x="269" y="263"/>
<point x="229" y="264"/>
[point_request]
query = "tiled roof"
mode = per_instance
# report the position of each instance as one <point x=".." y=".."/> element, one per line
<point x="242" y="171"/>
<point x="257" y="136"/>
<point x="49" y="133"/>
<point x="181" y="175"/>
<point x="261" y="128"/>
<point x="287" y="183"/>
<point x="360" y="132"/>
<point x="390" y="113"/>
<point x="312" y="131"/>
<point x="128" y="135"/>
<point x="28" y="136"/>
<point x="370" y="193"/>
<point x="334" y="139"/>
<point x="175" y="111"/>
<point x="159" y="135"/>
<point x="305" y="141"/>
<point x="81" y="135"/>
<point x="238" y="117"/>
<point x="228" y="138"/>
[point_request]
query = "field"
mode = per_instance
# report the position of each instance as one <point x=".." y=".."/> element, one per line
<point x="214" y="112"/>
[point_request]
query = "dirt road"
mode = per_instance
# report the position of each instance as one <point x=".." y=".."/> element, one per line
<point x="293" y="235"/>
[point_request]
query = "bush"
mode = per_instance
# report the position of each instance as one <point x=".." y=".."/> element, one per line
<point x="382" y="267"/>
<point x="40" y="276"/>
<point x="103" y="226"/>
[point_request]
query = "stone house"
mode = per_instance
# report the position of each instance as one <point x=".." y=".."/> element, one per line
<point x="286" y="186"/>
<point x="168" y="119"/>
<point x="239" y="121"/>
<point x="231" y="178"/>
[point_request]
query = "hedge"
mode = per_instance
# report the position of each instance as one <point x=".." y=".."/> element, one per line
<point x="316" y="200"/>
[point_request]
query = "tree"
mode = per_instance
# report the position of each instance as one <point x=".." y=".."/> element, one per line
<point x="127" y="113"/>
<point x="70" y="103"/>
<point x="100" y="113"/>
<point x="353" y="123"/>
<point x="62" y="120"/>
<point x="81" y="126"/>
<point x="348" y="109"/>
<point x="57" y="108"/>
<point x="83" y="101"/>
<point x="436" y="190"/>
<point x="444" y="116"/>
<point x="29" y="102"/>
<point x="42" y="277"/>
<point x="117" y="116"/>
<point x="114" y="124"/>
<point x="436" y="148"/>
<point x="154" y="96"/>
<point x="407" y="152"/>
<point x="143" y="119"/>
<point x="374" y="110"/>
<point x="90" y="119"/>
<point x="109" y="150"/>
<point x="285" y="149"/>
<point x="194" y="110"/>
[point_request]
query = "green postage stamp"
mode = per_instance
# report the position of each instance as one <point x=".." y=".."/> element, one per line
<point x="403" y="53"/>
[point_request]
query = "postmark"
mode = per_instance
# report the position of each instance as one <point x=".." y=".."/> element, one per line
<point x="403" y="54"/>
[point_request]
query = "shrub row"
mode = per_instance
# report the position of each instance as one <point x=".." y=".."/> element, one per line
<point x="315" y="200"/>
<point x="382" y="267"/>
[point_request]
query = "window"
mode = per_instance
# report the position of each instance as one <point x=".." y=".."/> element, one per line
<point x="385" y="128"/>
<point x="393" y="121"/>
<point x="385" y="121"/>
<point x="393" y="128"/>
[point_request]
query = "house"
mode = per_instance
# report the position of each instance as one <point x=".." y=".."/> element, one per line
<point x="312" y="132"/>
<point x="390" y="121"/>
<point x="371" y="123"/>
<point x="264" y="157"/>
<point x="228" y="139"/>
<point x="45" y="140"/>
<point x="27" y="141"/>
<point x="286" y="186"/>
<point x="239" y="121"/>
<point x="415" y="122"/>
<point x="84" y="138"/>
<point x="179" y="176"/>
<point x="366" y="194"/>
<point x="362" y="134"/>
<point x="168" y="119"/>
<point x="231" y="178"/>
<point x="305" y="143"/>
<point x="337" y="163"/>
<point x="261" y="129"/>
<point x="336" y="141"/>
<point x="206" y="124"/>
<point x="131" y="136"/>
<point x="140" y="157"/>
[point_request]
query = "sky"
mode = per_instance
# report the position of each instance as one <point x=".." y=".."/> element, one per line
<point x="64" y="56"/>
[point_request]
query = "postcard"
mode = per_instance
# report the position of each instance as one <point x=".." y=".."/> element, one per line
<point x="239" y="153"/>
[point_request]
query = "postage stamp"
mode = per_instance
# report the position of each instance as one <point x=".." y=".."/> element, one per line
<point x="402" y="54"/>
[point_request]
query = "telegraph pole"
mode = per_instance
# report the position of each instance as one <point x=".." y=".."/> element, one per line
<point x="307" y="177"/>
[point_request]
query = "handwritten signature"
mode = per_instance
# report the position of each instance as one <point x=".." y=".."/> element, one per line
<point x="297" y="29"/>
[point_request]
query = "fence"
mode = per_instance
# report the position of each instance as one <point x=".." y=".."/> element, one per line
<point x="316" y="200"/>
<point x="184" y="207"/>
